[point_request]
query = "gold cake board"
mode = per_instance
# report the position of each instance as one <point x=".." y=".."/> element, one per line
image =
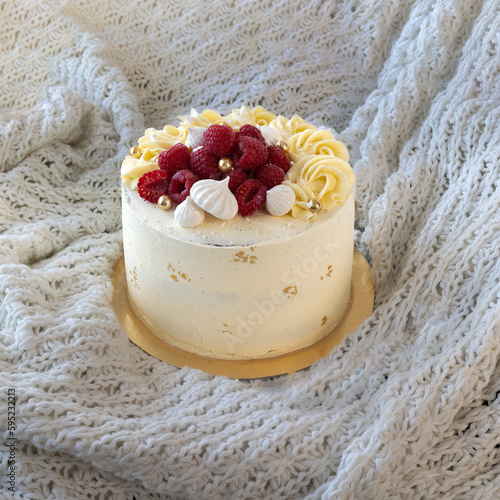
<point x="360" y="307"/>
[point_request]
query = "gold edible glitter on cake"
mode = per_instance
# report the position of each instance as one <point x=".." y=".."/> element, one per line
<point x="325" y="318"/>
<point x="291" y="291"/>
<point x="329" y="273"/>
<point x="241" y="256"/>
<point x="133" y="278"/>
<point x="175" y="274"/>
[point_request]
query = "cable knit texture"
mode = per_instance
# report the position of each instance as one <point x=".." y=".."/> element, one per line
<point x="406" y="407"/>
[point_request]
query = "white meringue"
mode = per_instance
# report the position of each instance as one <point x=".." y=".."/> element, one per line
<point x="195" y="137"/>
<point x="280" y="199"/>
<point x="215" y="198"/>
<point x="188" y="214"/>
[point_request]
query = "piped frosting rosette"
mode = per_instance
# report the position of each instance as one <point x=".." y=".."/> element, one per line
<point x="204" y="119"/>
<point x="155" y="141"/>
<point x="325" y="178"/>
<point x="316" y="142"/>
<point x="151" y="144"/>
<point x="133" y="169"/>
<point x="289" y="127"/>
<point x="257" y="116"/>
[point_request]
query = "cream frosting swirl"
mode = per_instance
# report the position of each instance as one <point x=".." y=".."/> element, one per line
<point x="324" y="178"/>
<point x="156" y="141"/>
<point x="316" y="142"/>
<point x="134" y="168"/>
<point x="151" y="144"/>
<point x="289" y="127"/>
<point x="244" y="115"/>
<point x="204" y="119"/>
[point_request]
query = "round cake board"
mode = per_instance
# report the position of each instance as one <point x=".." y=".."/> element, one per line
<point x="360" y="307"/>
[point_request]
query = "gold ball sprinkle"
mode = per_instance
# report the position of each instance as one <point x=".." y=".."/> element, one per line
<point x="164" y="202"/>
<point x="314" y="206"/>
<point x="135" y="152"/>
<point x="283" y="145"/>
<point x="225" y="165"/>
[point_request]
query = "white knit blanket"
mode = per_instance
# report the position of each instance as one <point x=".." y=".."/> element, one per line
<point x="406" y="407"/>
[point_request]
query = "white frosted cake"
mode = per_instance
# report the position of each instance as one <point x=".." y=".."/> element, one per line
<point x="238" y="233"/>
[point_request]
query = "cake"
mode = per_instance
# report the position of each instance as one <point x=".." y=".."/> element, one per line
<point x="238" y="233"/>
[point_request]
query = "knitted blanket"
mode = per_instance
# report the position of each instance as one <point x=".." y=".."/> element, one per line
<point x="406" y="407"/>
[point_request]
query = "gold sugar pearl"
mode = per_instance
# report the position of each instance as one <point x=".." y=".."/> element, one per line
<point x="283" y="145"/>
<point x="165" y="202"/>
<point x="135" y="152"/>
<point x="225" y="165"/>
<point x="314" y="206"/>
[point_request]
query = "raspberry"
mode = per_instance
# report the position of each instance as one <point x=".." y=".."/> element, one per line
<point x="174" y="159"/>
<point x="152" y="185"/>
<point x="269" y="175"/>
<point x="236" y="178"/>
<point x="181" y="184"/>
<point x="249" y="153"/>
<point x="204" y="164"/>
<point x="219" y="139"/>
<point x="250" y="196"/>
<point x="251" y="131"/>
<point x="278" y="157"/>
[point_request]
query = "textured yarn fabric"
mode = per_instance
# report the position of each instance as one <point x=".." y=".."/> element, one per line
<point x="406" y="407"/>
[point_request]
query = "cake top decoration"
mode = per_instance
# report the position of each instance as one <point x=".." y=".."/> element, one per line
<point x="232" y="164"/>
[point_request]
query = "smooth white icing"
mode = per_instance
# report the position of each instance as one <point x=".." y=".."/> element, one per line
<point x="239" y="289"/>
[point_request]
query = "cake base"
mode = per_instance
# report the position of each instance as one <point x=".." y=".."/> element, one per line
<point x="359" y="308"/>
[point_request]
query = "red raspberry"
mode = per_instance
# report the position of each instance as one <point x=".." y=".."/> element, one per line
<point x="204" y="164"/>
<point x="269" y="175"/>
<point x="236" y="178"/>
<point x="152" y="185"/>
<point x="249" y="153"/>
<point x="174" y="159"/>
<point x="251" y="131"/>
<point x="181" y="184"/>
<point x="250" y="196"/>
<point x="219" y="139"/>
<point x="278" y="157"/>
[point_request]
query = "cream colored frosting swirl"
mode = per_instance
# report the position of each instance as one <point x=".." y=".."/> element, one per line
<point x="244" y="115"/>
<point x="324" y="178"/>
<point x="204" y="119"/>
<point x="289" y="127"/>
<point x="151" y="144"/>
<point x="134" y="168"/>
<point x="156" y="141"/>
<point x="316" y="142"/>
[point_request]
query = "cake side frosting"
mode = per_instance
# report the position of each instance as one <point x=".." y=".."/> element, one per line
<point x="267" y="293"/>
